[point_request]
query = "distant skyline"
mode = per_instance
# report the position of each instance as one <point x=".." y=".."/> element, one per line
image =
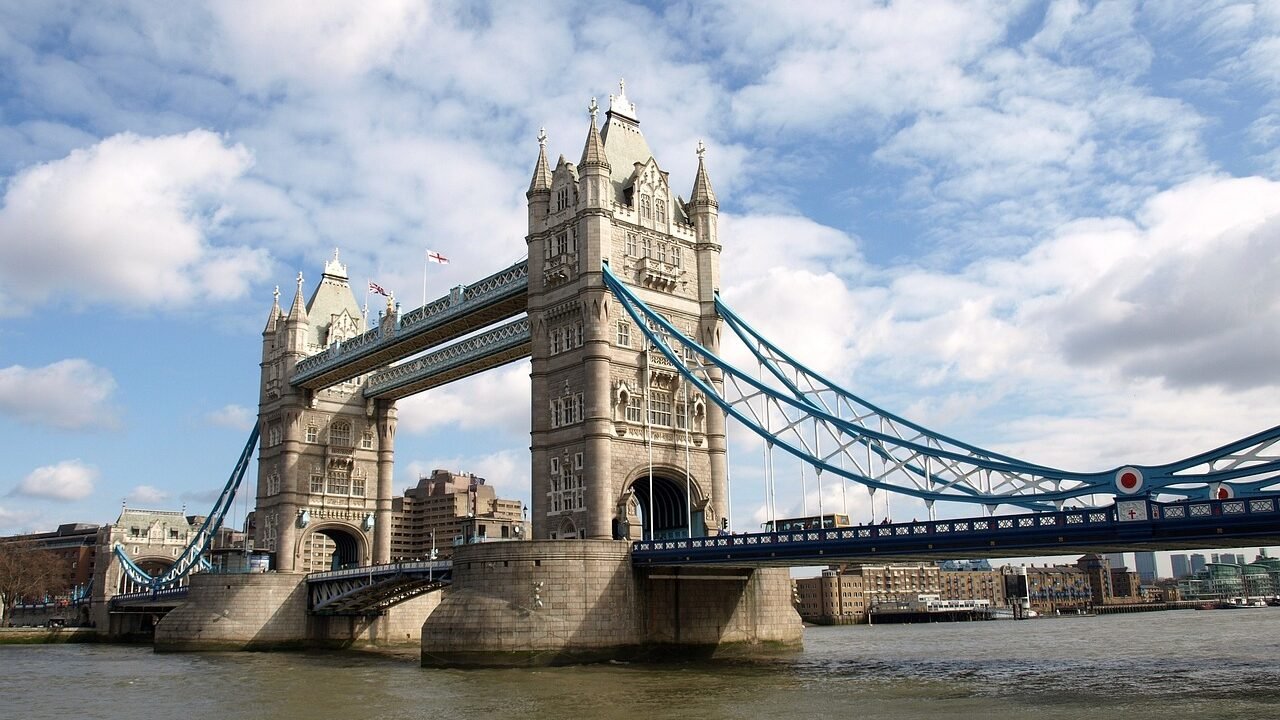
<point x="1045" y="228"/>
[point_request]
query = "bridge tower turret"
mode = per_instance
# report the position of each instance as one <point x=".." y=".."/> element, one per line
<point x="324" y="464"/>
<point x="621" y="446"/>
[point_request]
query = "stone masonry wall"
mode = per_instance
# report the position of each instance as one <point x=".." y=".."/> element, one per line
<point x="269" y="612"/>
<point x="549" y="602"/>
<point x="715" y="611"/>
<point x="536" y="603"/>
<point x="237" y="612"/>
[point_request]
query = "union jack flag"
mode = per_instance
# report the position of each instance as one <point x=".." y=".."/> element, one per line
<point x="376" y="288"/>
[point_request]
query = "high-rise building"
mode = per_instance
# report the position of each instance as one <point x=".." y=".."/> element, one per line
<point x="1197" y="563"/>
<point x="1145" y="564"/>
<point x="448" y="509"/>
<point x="1116" y="560"/>
<point x="1181" y="565"/>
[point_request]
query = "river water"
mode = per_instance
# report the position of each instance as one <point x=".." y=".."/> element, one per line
<point x="1180" y="664"/>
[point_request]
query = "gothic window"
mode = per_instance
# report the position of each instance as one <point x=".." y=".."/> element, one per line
<point x="339" y="480"/>
<point x="690" y="355"/>
<point x="317" y="482"/>
<point x="659" y="408"/>
<point x="660" y="207"/>
<point x="273" y="484"/>
<point x="633" y="409"/>
<point x="624" y="333"/>
<point x="340" y="434"/>
<point x="562" y="243"/>
<point x="682" y="415"/>
<point x="675" y="255"/>
<point x="577" y="334"/>
<point x="577" y="408"/>
<point x="645" y="204"/>
<point x="357" y="483"/>
<point x="562" y="199"/>
<point x="631" y="244"/>
<point x="662" y="252"/>
<point x="274" y="435"/>
<point x="555" y="413"/>
<point x="555" y="341"/>
<point x="646" y="247"/>
<point x="366" y="440"/>
<point x="312" y="433"/>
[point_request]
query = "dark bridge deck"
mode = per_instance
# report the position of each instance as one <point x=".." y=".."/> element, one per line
<point x="1128" y="526"/>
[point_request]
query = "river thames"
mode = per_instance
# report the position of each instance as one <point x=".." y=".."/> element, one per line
<point x="1180" y="664"/>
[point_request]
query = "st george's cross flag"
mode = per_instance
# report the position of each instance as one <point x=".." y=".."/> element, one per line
<point x="435" y="257"/>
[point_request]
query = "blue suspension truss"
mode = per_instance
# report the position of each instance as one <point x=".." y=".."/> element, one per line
<point x="193" y="556"/>
<point x="807" y="416"/>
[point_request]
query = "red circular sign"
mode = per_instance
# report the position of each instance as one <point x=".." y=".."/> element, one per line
<point x="1128" y="480"/>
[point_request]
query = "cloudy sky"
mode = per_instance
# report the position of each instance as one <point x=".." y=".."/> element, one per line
<point x="1050" y="228"/>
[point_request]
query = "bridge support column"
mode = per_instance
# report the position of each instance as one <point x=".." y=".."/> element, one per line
<point x="386" y="418"/>
<point x="597" y="475"/>
<point x="551" y="602"/>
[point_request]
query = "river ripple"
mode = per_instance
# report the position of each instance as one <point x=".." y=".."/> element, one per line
<point x="1182" y="664"/>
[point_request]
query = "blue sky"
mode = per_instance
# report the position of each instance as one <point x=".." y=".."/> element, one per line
<point x="1045" y="227"/>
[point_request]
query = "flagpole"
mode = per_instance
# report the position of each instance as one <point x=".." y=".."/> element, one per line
<point x="425" y="263"/>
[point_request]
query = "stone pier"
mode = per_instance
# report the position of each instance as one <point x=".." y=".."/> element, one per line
<point x="269" y="612"/>
<point x="549" y="602"/>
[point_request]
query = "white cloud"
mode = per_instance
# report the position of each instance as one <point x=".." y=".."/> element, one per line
<point x="68" y="480"/>
<point x="71" y="394"/>
<point x="148" y="495"/>
<point x="125" y="222"/>
<point x="495" y="399"/>
<point x="318" y="43"/>
<point x="236" y="417"/>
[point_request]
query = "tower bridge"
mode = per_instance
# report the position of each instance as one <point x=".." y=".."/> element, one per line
<point x="617" y="308"/>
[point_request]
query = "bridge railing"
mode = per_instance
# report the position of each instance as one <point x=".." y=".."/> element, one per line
<point x="410" y="566"/>
<point x="1123" y="512"/>
<point x="498" y="286"/>
<point x="176" y="593"/>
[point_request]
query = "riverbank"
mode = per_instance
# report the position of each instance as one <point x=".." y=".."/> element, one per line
<point x="48" y="636"/>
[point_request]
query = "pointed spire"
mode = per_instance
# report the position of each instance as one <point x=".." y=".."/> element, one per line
<point x="593" y="153"/>
<point x="702" y="192"/>
<point x="276" y="314"/>
<point x="299" y="310"/>
<point x="541" y="173"/>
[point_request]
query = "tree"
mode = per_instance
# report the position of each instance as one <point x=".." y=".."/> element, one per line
<point x="29" y="572"/>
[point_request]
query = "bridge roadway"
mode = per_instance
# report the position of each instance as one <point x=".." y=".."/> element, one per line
<point x="1129" y="525"/>
<point x="367" y="590"/>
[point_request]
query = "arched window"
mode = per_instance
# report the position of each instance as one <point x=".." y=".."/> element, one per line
<point x="340" y="434"/>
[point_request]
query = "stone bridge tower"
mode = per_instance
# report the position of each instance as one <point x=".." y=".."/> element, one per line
<point x="325" y="459"/>
<point x="621" y="445"/>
